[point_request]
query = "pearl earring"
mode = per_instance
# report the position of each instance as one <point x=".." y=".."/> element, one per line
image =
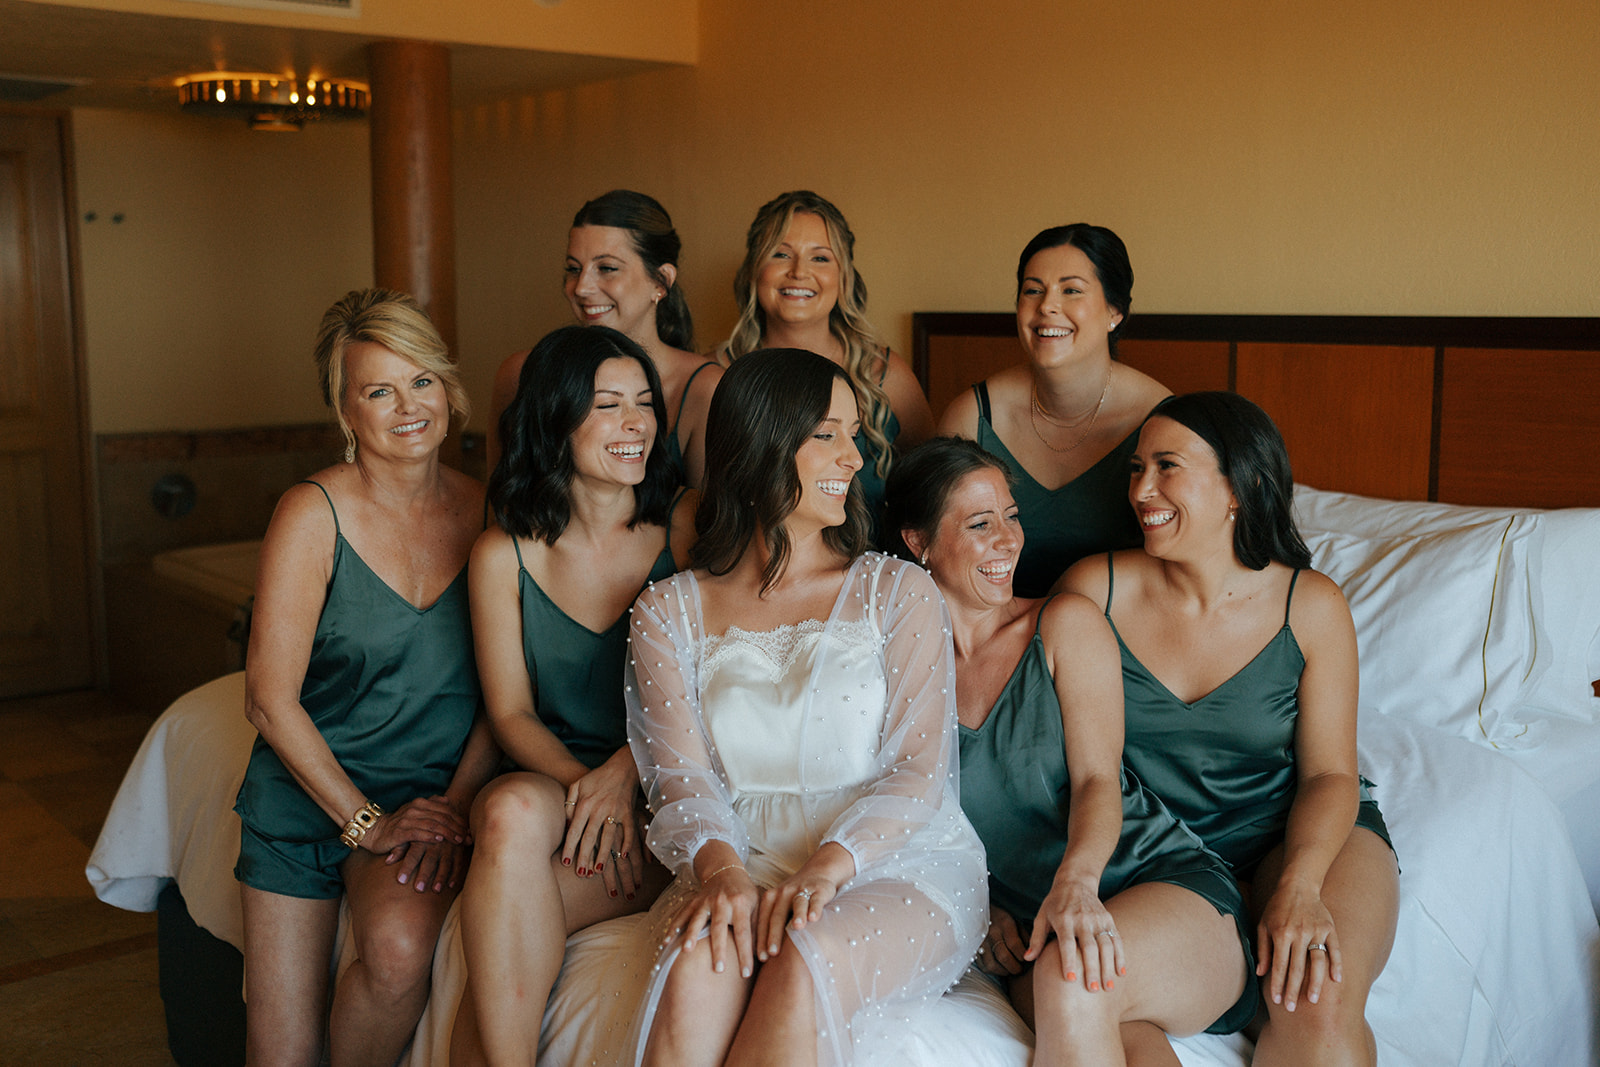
<point x="924" y="559"/>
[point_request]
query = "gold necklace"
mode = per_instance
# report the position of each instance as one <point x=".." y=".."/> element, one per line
<point x="1035" y="409"/>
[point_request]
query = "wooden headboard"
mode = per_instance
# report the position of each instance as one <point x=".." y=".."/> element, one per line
<point x="1489" y="411"/>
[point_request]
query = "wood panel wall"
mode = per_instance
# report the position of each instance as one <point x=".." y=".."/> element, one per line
<point x="1462" y="410"/>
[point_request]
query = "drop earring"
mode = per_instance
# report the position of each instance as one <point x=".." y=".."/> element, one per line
<point x="350" y="452"/>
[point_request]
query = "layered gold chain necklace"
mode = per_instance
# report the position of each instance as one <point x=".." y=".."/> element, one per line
<point x="1036" y="411"/>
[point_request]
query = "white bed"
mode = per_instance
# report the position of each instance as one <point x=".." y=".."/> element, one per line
<point x="1480" y="636"/>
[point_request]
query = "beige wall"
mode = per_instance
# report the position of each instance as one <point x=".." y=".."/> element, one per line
<point x="201" y="305"/>
<point x="1394" y="157"/>
<point x="1297" y="157"/>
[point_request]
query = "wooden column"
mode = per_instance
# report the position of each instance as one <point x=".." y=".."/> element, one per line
<point x="413" y="191"/>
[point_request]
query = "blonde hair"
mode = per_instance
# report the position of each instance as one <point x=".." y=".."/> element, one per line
<point x="397" y="322"/>
<point x="847" y="322"/>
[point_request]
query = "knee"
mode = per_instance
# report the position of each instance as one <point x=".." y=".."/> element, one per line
<point x="519" y="814"/>
<point x="398" y="953"/>
<point x="1336" y="1021"/>
<point x="1066" y="1005"/>
<point x="786" y="974"/>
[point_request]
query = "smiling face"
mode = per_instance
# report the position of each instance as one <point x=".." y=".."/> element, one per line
<point x="1183" y="501"/>
<point x="394" y="407"/>
<point x="976" y="544"/>
<point x="1062" y="312"/>
<point x="825" y="463"/>
<point x="798" y="284"/>
<point x="607" y="283"/>
<point x="614" y="439"/>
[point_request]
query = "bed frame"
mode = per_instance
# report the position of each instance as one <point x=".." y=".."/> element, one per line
<point x="1487" y="411"/>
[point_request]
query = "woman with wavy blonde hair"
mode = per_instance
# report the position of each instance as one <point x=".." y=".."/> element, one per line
<point x="798" y="287"/>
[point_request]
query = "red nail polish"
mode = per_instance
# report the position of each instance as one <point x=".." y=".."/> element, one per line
<point x="630" y="896"/>
<point x="613" y="892"/>
<point x="565" y="862"/>
<point x="599" y="866"/>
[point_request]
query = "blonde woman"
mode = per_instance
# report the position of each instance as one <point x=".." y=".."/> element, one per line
<point x="798" y="287"/>
<point x="362" y="684"/>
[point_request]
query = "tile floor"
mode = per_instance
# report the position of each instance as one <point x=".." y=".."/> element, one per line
<point x="78" y="983"/>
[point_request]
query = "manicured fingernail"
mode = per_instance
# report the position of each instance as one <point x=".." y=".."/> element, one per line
<point x="1312" y="998"/>
<point x="719" y="967"/>
<point x="565" y="862"/>
<point x="1094" y="987"/>
<point x="1072" y="976"/>
<point x="624" y="854"/>
<point x="599" y="866"/>
<point x="403" y="879"/>
<point x="1110" y="984"/>
<point x="1122" y="970"/>
<point x="613" y="892"/>
<point x="630" y="896"/>
<point x="745" y="972"/>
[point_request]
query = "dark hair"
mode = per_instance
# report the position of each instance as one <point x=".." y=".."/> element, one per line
<point x="764" y="408"/>
<point x="920" y="485"/>
<point x="650" y="229"/>
<point x="1106" y="253"/>
<point x="1251" y="455"/>
<point x="530" y="488"/>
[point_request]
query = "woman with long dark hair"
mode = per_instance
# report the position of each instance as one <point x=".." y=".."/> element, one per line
<point x="587" y="515"/>
<point x="1064" y="420"/>
<point x="622" y="271"/>
<point x="1239" y="675"/>
<point x="791" y="710"/>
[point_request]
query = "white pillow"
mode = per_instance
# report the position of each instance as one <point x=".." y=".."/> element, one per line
<point x="1443" y="624"/>
<point x="1558" y="587"/>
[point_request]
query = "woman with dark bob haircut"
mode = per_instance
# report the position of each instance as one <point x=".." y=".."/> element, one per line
<point x="1064" y="420"/>
<point x="584" y="495"/>
<point x="791" y="710"/>
<point x="622" y="271"/>
<point x="1110" y="924"/>
<point x="1239" y="678"/>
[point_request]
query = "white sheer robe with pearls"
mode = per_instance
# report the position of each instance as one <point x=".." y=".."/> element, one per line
<point x="836" y="730"/>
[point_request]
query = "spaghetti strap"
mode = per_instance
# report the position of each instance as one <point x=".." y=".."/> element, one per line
<point x="329" y="499"/>
<point x="981" y="391"/>
<point x="1111" y="575"/>
<point x="683" y="401"/>
<point x="682" y="489"/>
<point x="1288" y="600"/>
<point x="1037" y="618"/>
<point x="518" y="550"/>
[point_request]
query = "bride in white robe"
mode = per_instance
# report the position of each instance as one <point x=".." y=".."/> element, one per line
<point x="791" y="708"/>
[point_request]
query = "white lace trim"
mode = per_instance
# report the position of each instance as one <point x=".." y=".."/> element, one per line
<point x="780" y="646"/>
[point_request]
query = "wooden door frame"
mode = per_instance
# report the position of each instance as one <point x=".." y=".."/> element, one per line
<point x="94" y="584"/>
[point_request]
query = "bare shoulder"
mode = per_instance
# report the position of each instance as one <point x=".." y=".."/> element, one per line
<point x="1090" y="578"/>
<point x="493" y="551"/>
<point x="307" y="508"/>
<point x="1319" y="608"/>
<point x="1072" y="617"/>
<point x="1142" y="391"/>
<point x="960" y="418"/>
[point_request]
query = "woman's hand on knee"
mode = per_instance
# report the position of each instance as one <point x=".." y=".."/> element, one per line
<point x="1089" y="943"/>
<point x="603" y="835"/>
<point x="1297" y="947"/>
<point x="801" y="897"/>
<point x="1003" y="949"/>
<point x="725" y="907"/>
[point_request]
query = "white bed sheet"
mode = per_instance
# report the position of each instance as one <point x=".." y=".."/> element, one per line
<point x="1494" y="961"/>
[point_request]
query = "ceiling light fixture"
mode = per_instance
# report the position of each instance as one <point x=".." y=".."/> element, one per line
<point x="272" y="101"/>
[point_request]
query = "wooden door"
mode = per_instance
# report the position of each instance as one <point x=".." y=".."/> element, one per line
<point x="45" y="642"/>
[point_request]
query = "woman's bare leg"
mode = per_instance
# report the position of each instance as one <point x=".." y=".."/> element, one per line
<point x="381" y="995"/>
<point x="1362" y="893"/>
<point x="288" y="949"/>
<point x="1185" y="969"/>
<point x="698" y="1013"/>
<point x="517" y="908"/>
<point x="779" y="1028"/>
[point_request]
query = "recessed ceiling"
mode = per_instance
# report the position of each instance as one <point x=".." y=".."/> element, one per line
<point x="121" y="60"/>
